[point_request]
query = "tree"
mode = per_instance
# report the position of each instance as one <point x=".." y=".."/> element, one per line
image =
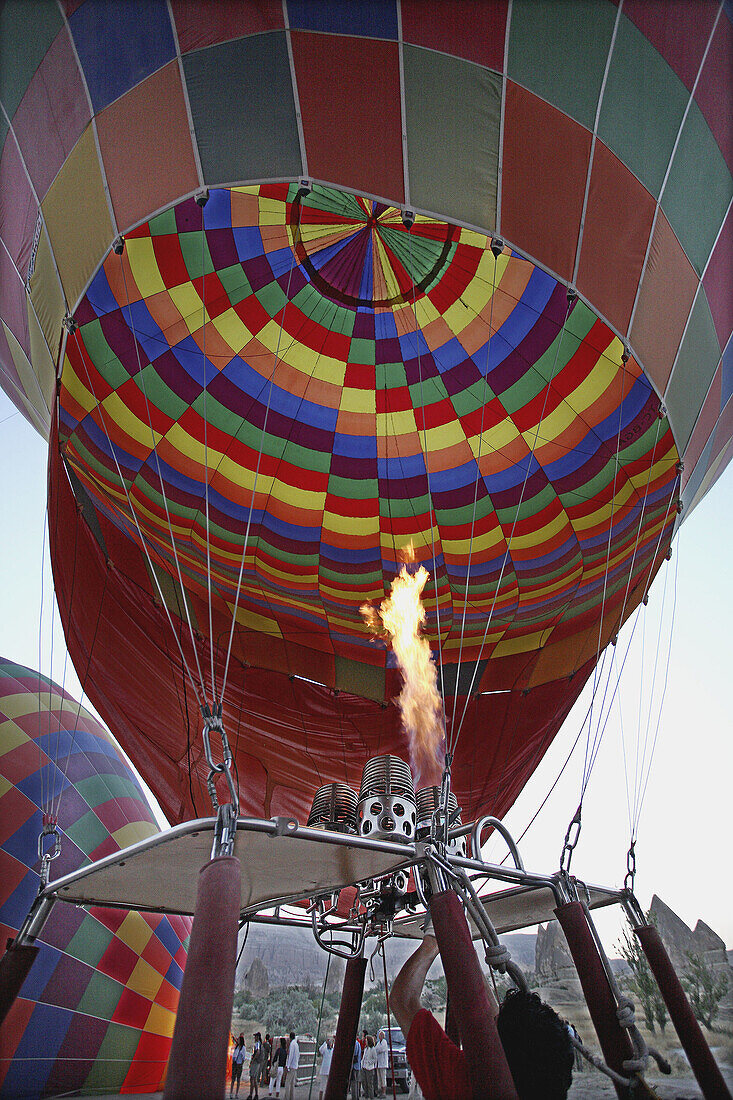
<point x="704" y="988"/>
<point x="641" y="982"/>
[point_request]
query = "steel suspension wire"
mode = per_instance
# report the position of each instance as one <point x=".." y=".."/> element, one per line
<point x="427" y="475"/>
<point x="41" y="769"/>
<point x="586" y="774"/>
<point x="202" y="205"/>
<point x="154" y="451"/>
<point x="598" y="737"/>
<point x="475" y="487"/>
<point x="455" y="734"/>
<point x="320" y="1021"/>
<point x="134" y="518"/>
<point x="642" y="793"/>
<point x="257" y="469"/>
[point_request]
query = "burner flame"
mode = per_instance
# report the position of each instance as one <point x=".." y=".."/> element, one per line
<point x="399" y="621"/>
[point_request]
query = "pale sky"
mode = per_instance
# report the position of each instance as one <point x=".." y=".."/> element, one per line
<point x="684" y="837"/>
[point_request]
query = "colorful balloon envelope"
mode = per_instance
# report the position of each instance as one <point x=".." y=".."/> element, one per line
<point x="97" y="1009"/>
<point x="343" y="278"/>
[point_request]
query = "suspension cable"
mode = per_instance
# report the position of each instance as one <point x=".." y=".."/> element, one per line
<point x="259" y="461"/>
<point x="164" y="495"/>
<point x="201" y="200"/>
<point x="427" y="476"/>
<point x="134" y="518"/>
<point x="496" y="250"/>
<point x="571" y="297"/>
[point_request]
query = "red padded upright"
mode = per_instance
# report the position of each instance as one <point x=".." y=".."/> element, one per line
<point x="348" y="1022"/>
<point x="704" y="1066"/>
<point x="487" y="1065"/>
<point x="198" y="1060"/>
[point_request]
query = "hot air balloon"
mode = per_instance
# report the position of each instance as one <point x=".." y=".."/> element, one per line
<point x="290" y="286"/>
<point x="97" y="1009"/>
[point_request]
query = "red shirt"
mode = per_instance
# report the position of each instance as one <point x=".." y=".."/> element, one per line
<point x="438" y="1064"/>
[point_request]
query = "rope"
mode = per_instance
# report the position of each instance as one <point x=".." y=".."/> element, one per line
<point x="154" y="451"/>
<point x="475" y="486"/>
<point x="203" y="201"/>
<point x="257" y="468"/>
<point x="456" y="734"/>
<point x="389" y="1024"/>
<point x="430" y="495"/>
<point x="134" y="518"/>
<point x="318" y="1029"/>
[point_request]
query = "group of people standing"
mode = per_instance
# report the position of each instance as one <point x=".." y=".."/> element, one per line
<point x="369" y="1066"/>
<point x="273" y="1064"/>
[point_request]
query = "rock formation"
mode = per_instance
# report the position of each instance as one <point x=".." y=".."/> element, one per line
<point x="256" y="981"/>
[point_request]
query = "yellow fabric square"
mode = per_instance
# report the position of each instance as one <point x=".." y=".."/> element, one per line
<point x="135" y="932"/>
<point x="145" y="979"/>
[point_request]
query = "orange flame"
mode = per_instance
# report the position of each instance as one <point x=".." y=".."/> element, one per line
<point x="399" y="621"/>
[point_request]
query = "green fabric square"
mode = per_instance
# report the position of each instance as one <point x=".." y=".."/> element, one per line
<point x="245" y="124"/>
<point x="26" y="33"/>
<point x="362" y="351"/>
<point x="643" y="105"/>
<point x="101" y="996"/>
<point x="272" y="298"/>
<point x="87" y="832"/>
<point x="558" y="50"/>
<point x="693" y="371"/>
<point x="191" y="244"/>
<point x="89" y="943"/>
<point x="102" y="355"/>
<point x="113" y="1059"/>
<point x="163" y="224"/>
<point x="452" y="105"/>
<point x="158" y="393"/>
<point x="699" y="189"/>
<point x="235" y="282"/>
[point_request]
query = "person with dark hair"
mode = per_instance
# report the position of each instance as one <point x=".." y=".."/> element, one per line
<point x="279" y="1058"/>
<point x="238" y="1056"/>
<point x="255" y="1066"/>
<point x="535" y="1040"/>
<point x="266" y="1056"/>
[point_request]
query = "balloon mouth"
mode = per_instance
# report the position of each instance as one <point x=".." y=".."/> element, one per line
<point x="376" y="238"/>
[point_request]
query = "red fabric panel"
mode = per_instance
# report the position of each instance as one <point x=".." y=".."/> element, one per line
<point x="198" y="1060"/>
<point x="706" y="422"/>
<point x="487" y="1066"/>
<point x="463" y="28"/>
<point x="52" y="114"/>
<point x="147" y="154"/>
<point x="205" y="22"/>
<point x="714" y="93"/>
<point x="704" y="1066"/>
<point x="665" y="300"/>
<point x="352" y="994"/>
<point x="543" y="183"/>
<point x="677" y="33"/>
<point x="718" y="280"/>
<point x="349" y="91"/>
<point x="618" y="221"/>
<point x="614" y="1039"/>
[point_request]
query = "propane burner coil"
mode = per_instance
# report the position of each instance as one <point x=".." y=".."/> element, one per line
<point x="428" y="801"/>
<point x="334" y="808"/>
<point x="386" y="809"/>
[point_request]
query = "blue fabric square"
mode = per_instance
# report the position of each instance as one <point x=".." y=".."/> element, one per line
<point x="118" y="45"/>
